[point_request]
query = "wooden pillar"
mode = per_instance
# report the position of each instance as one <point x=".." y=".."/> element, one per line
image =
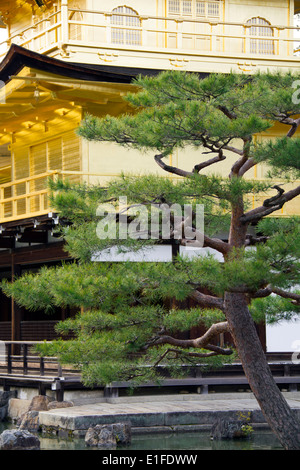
<point x="64" y="22"/>
<point x="175" y="249"/>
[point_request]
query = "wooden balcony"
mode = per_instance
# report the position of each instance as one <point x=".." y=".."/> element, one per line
<point x="29" y="197"/>
<point x="94" y="36"/>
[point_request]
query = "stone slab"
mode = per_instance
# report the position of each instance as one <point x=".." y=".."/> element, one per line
<point x="153" y="414"/>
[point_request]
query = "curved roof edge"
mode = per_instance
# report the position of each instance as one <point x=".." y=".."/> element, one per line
<point x="18" y="57"/>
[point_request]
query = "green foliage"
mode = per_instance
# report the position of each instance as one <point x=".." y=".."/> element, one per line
<point x="127" y="307"/>
<point x="79" y="204"/>
<point x="282" y="250"/>
<point x="224" y="189"/>
<point x="177" y="109"/>
<point x="274" y="309"/>
<point x="31" y="291"/>
<point x="282" y="155"/>
<point x="184" y="320"/>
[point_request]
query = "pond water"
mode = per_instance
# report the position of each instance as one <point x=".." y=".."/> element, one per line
<point x="189" y="441"/>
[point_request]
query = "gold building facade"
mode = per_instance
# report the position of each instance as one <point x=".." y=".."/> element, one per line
<point x="61" y="59"/>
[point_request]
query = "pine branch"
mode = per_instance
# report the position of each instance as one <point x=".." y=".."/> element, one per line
<point x="287" y="295"/>
<point x="250" y="163"/>
<point x="197" y="168"/>
<point x="172" y="169"/>
<point x="257" y="214"/>
<point x="276" y="290"/>
<point x="207" y="301"/>
<point x="233" y="149"/>
<point x="208" y="242"/>
<point x="202" y="342"/>
<point x="274" y="200"/>
<point x="216" y="351"/>
<point x="252" y="240"/>
<point x="227" y="112"/>
<point x="294" y="123"/>
<point x="236" y="167"/>
<point x="203" y="165"/>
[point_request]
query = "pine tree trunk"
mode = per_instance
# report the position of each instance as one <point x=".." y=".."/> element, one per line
<point x="278" y="414"/>
<point x="282" y="420"/>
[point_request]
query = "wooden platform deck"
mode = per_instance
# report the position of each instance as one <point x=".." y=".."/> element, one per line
<point x="27" y="369"/>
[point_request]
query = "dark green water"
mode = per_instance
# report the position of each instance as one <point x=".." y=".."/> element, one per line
<point x="260" y="440"/>
<point x="174" y="441"/>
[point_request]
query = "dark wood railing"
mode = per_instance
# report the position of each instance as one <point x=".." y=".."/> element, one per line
<point x="21" y="366"/>
<point x="19" y="358"/>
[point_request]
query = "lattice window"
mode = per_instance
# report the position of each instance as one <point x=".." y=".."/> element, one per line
<point x="38" y="159"/>
<point x="206" y="9"/>
<point x="75" y="30"/>
<point x="55" y="156"/>
<point x="174" y="6"/>
<point x="20" y="164"/>
<point x="129" y="32"/>
<point x="187" y="7"/>
<point x="200" y="8"/>
<point x="62" y="153"/>
<point x="213" y="9"/>
<point x="38" y="166"/>
<point x="71" y="154"/>
<point x="5" y="175"/>
<point x="261" y="27"/>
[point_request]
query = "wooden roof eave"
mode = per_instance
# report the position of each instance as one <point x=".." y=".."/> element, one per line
<point x="67" y="85"/>
<point x="19" y="105"/>
<point x="18" y="57"/>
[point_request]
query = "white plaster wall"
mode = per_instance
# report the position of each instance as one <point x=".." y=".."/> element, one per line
<point x="284" y="336"/>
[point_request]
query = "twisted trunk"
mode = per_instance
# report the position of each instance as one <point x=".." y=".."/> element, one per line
<point x="282" y="420"/>
<point x="278" y="414"/>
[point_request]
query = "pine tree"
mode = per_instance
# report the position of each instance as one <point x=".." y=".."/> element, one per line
<point x="134" y="313"/>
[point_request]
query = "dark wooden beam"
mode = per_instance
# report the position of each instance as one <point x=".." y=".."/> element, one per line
<point x="35" y="254"/>
<point x="31" y="236"/>
<point x="29" y="222"/>
<point x="7" y="242"/>
<point x="28" y="236"/>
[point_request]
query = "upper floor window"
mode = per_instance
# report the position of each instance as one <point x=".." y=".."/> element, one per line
<point x="196" y="8"/>
<point x="128" y="26"/>
<point x="261" y="28"/>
